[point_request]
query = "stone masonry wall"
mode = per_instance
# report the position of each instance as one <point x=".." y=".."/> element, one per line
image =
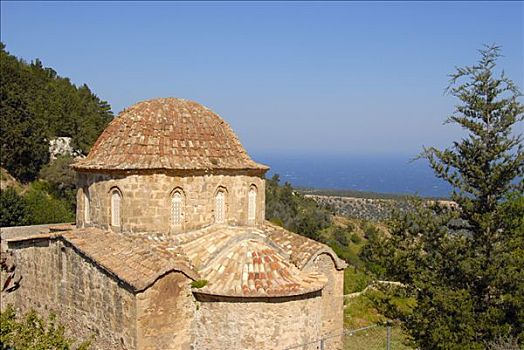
<point x="165" y="313"/>
<point x="86" y="300"/>
<point x="146" y="200"/>
<point x="332" y="297"/>
<point x="270" y="324"/>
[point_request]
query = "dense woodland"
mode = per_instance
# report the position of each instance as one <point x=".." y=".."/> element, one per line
<point x="37" y="105"/>
<point x="460" y="269"/>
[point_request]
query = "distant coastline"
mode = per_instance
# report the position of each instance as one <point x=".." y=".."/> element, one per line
<point x="333" y="192"/>
<point x="360" y="176"/>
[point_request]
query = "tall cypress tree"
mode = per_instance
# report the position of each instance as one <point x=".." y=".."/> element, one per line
<point x="484" y="166"/>
<point x="465" y="267"/>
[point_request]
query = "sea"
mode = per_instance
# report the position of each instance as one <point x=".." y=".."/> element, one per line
<point x="392" y="174"/>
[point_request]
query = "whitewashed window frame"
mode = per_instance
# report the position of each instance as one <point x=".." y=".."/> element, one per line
<point x="116" y="208"/>
<point x="220" y="206"/>
<point x="177" y="209"/>
<point x="87" y="207"/>
<point x="252" y="205"/>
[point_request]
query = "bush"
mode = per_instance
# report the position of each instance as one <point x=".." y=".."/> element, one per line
<point x="356" y="239"/>
<point x="504" y="343"/>
<point x="13" y="209"/>
<point x="355" y="280"/>
<point x="33" y="332"/>
<point x="370" y="230"/>
<point x="199" y="284"/>
<point x="394" y="302"/>
<point x="346" y="254"/>
<point x="45" y="208"/>
<point x="295" y="212"/>
<point x="61" y="179"/>
<point x="340" y="236"/>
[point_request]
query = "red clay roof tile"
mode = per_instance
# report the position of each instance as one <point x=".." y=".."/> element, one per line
<point x="171" y="134"/>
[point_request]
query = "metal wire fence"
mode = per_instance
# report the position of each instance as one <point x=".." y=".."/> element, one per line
<point x="374" y="337"/>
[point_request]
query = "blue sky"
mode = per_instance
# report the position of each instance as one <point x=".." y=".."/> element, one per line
<point x="311" y="78"/>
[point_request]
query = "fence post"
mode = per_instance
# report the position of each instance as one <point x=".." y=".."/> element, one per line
<point x="388" y="340"/>
<point x="322" y="344"/>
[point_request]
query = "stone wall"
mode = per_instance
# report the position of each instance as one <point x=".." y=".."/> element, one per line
<point x="165" y="313"/>
<point x="86" y="300"/>
<point x="276" y="323"/>
<point x="146" y="200"/>
<point x="332" y="297"/>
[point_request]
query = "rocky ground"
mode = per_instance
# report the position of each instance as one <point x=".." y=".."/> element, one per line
<point x="359" y="208"/>
<point x="363" y="208"/>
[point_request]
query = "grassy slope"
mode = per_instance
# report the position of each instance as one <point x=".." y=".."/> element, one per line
<point x="363" y="310"/>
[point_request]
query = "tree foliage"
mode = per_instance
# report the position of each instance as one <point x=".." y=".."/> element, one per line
<point x="44" y="207"/>
<point x="61" y="179"/>
<point x="38" y="205"/>
<point x="13" y="209"/>
<point x="464" y="265"/>
<point x="33" y="332"/>
<point x="293" y="211"/>
<point x="36" y="105"/>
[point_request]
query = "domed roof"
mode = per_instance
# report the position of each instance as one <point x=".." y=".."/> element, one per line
<point x="168" y="133"/>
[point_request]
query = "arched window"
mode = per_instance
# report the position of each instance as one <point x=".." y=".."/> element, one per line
<point x="116" y="199"/>
<point x="252" y="204"/>
<point x="177" y="208"/>
<point x="87" y="207"/>
<point x="220" y="206"/>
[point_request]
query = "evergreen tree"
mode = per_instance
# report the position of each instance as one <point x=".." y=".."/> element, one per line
<point x="293" y="211"/>
<point x="36" y="105"/>
<point x="464" y="266"/>
<point x="24" y="147"/>
<point x="13" y="209"/>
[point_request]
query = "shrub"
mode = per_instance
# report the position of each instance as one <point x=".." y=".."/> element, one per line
<point x="198" y="284"/>
<point x="370" y="230"/>
<point x="61" y="179"/>
<point x="355" y="280"/>
<point x="340" y="236"/>
<point x="45" y="208"/>
<point x="13" y="209"/>
<point x="356" y="239"/>
<point x="33" y="332"/>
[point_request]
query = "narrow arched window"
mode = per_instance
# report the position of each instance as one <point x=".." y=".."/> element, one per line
<point x="116" y="200"/>
<point x="87" y="207"/>
<point x="252" y="204"/>
<point x="177" y="208"/>
<point x="220" y="204"/>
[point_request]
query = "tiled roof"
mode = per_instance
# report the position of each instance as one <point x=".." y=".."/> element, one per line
<point x="171" y="134"/>
<point x="251" y="268"/>
<point x="236" y="261"/>
<point x="244" y="261"/>
<point x="301" y="249"/>
<point x="135" y="261"/>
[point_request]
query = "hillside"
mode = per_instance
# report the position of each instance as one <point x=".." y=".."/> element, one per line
<point x="375" y="209"/>
<point x="38" y="105"/>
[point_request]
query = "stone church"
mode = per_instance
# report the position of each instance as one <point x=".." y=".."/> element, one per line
<point x="171" y="249"/>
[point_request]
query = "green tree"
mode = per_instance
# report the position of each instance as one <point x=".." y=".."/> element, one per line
<point x="45" y="208"/>
<point x="24" y="137"/>
<point x="464" y="266"/>
<point x="13" y="209"/>
<point x="37" y="105"/>
<point x="33" y="332"/>
<point x="61" y="179"/>
<point x="340" y="235"/>
<point x="293" y="211"/>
